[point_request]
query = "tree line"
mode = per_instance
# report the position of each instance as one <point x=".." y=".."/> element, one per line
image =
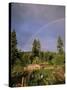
<point x="36" y="55"/>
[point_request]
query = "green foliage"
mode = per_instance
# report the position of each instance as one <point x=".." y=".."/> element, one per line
<point x="58" y="59"/>
<point x="36" y="48"/>
<point x="13" y="47"/>
<point x="17" y="68"/>
<point x="36" y="78"/>
<point x="45" y="77"/>
<point x="41" y="77"/>
<point x="26" y="59"/>
<point x="60" y="45"/>
<point x="42" y="55"/>
<point x="49" y="56"/>
<point x="36" y="60"/>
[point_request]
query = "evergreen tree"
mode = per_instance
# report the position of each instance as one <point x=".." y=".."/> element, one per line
<point x="36" y="48"/>
<point x="60" y="45"/>
<point x="13" y="47"/>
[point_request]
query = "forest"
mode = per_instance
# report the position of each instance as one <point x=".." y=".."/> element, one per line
<point x="37" y="67"/>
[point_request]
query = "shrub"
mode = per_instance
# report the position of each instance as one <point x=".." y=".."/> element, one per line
<point x="36" y="60"/>
<point x="58" y="60"/>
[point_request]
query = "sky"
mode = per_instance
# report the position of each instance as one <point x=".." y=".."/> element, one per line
<point x="37" y="21"/>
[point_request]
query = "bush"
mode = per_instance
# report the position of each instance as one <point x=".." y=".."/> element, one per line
<point x="36" y="60"/>
<point x="58" y="60"/>
<point x="36" y="78"/>
<point x="26" y="59"/>
<point x="41" y="77"/>
<point x="46" y="77"/>
<point x="49" y="56"/>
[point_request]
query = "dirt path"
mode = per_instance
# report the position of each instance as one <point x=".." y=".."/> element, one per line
<point x="32" y="67"/>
